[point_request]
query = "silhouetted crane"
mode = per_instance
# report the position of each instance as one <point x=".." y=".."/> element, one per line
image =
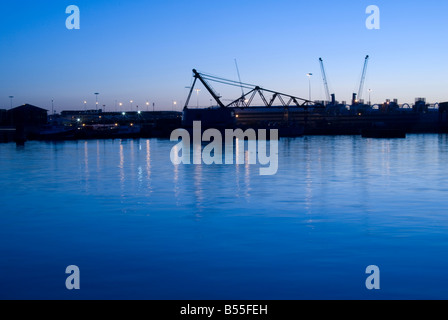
<point x="363" y="77"/>
<point x="324" y="77"/>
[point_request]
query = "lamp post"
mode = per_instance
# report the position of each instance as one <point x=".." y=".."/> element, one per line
<point x="85" y="105"/>
<point x="96" y="100"/>
<point x="370" y="102"/>
<point x="11" y="97"/>
<point x="147" y="105"/>
<point x="309" y="84"/>
<point x="197" y="97"/>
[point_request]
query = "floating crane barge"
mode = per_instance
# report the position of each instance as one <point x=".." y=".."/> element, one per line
<point x="295" y="116"/>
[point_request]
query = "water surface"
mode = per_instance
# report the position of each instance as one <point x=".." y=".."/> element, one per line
<point x="139" y="227"/>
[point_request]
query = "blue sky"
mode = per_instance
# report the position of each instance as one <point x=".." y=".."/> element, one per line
<point x="145" y="50"/>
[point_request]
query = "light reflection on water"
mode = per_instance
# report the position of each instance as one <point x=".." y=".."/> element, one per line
<point x="140" y="227"/>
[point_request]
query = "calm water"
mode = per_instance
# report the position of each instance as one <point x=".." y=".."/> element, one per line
<point x="139" y="227"/>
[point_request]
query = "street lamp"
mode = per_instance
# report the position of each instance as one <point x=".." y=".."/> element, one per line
<point x="370" y="102"/>
<point x="85" y="104"/>
<point x="96" y="100"/>
<point x="131" y="103"/>
<point x="174" y="104"/>
<point x="309" y="84"/>
<point x="147" y="105"/>
<point x="197" y="96"/>
<point x="11" y="97"/>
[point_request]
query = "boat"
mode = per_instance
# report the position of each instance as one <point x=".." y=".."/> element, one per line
<point x="56" y="132"/>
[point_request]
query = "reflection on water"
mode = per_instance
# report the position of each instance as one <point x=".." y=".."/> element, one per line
<point x="247" y="173"/>
<point x="148" y="164"/>
<point x="86" y="160"/>
<point x="120" y="210"/>
<point x="121" y="166"/>
<point x="198" y="186"/>
<point x="308" y="181"/>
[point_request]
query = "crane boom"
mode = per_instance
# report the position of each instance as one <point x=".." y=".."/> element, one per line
<point x="363" y="77"/>
<point x="239" y="78"/>
<point x="324" y="77"/>
<point x="215" y="96"/>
